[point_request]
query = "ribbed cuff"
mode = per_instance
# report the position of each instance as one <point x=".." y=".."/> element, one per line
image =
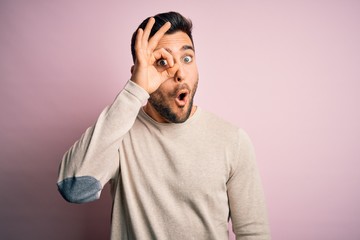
<point x="137" y="91"/>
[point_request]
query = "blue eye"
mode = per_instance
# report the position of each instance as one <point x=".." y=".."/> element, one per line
<point x="187" y="59"/>
<point x="162" y="63"/>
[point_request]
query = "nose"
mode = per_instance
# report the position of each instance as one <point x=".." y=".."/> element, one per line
<point x="178" y="71"/>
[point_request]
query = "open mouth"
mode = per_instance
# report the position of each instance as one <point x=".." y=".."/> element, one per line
<point x="182" y="98"/>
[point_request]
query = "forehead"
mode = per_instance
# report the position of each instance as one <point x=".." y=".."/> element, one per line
<point x="174" y="41"/>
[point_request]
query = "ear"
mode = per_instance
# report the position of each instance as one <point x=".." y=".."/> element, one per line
<point x="132" y="69"/>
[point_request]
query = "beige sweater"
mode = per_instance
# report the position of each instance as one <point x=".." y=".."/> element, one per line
<point x="169" y="181"/>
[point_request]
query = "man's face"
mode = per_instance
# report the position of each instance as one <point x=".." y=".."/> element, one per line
<point x="173" y="100"/>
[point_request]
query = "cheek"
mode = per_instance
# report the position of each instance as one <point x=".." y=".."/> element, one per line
<point x="164" y="90"/>
<point x="192" y="70"/>
<point x="166" y="86"/>
<point x="194" y="75"/>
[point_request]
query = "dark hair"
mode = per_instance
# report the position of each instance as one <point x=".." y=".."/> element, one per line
<point x="178" y="23"/>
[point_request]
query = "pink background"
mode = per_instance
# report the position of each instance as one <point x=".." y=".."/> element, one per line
<point x="285" y="71"/>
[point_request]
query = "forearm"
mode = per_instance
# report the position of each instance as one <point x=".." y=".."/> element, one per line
<point x="92" y="161"/>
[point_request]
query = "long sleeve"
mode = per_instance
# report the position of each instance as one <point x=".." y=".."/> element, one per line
<point x="93" y="160"/>
<point x="246" y="198"/>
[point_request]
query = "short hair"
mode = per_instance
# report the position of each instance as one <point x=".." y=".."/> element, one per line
<point x="178" y="23"/>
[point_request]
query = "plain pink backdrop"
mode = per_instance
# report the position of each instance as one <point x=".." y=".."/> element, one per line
<point x="285" y="71"/>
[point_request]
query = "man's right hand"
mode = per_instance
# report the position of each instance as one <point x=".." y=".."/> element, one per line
<point x="144" y="72"/>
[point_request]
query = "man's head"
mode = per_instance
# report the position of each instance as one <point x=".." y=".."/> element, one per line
<point x="172" y="101"/>
<point x="178" y="23"/>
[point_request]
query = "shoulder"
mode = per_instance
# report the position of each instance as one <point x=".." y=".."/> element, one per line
<point x="222" y="128"/>
<point x="233" y="140"/>
<point x="215" y="122"/>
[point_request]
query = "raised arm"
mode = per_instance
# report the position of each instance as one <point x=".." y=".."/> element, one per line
<point x="93" y="160"/>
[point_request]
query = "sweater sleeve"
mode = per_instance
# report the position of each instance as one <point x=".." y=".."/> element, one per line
<point x="246" y="199"/>
<point x="93" y="160"/>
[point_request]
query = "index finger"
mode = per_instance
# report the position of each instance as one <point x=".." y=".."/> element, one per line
<point x="153" y="42"/>
<point x="147" y="31"/>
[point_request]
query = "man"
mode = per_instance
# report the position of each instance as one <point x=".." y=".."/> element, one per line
<point x="176" y="171"/>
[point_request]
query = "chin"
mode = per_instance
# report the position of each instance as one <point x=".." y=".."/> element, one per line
<point x="181" y="117"/>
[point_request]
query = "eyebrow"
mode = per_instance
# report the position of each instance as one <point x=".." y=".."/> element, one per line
<point x="183" y="48"/>
<point x="186" y="47"/>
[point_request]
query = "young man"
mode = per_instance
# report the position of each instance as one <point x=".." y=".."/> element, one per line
<point x="176" y="171"/>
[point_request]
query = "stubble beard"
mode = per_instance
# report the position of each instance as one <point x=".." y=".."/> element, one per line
<point x="161" y="103"/>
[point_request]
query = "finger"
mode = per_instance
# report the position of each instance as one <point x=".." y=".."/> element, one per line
<point x="153" y="42"/>
<point x="138" y="44"/>
<point x="170" y="72"/>
<point x="139" y="36"/>
<point x="147" y="31"/>
<point x="163" y="54"/>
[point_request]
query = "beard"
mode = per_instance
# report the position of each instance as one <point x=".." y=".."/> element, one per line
<point x="162" y="103"/>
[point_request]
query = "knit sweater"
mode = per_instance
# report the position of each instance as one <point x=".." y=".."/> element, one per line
<point x="168" y="181"/>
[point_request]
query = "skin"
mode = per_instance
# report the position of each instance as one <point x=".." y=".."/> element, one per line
<point x="166" y="68"/>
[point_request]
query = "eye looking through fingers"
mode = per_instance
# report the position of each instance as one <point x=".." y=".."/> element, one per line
<point x="162" y="63"/>
<point x="163" y="59"/>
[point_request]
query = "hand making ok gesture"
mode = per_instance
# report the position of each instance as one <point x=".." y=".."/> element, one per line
<point x="144" y="72"/>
